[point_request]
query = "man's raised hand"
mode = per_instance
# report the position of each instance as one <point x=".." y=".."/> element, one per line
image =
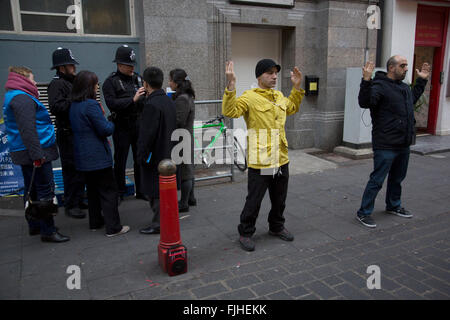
<point x="424" y="73"/>
<point x="231" y="77"/>
<point x="368" y="70"/>
<point x="296" y="78"/>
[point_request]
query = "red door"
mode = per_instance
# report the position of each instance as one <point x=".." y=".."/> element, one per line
<point x="431" y="31"/>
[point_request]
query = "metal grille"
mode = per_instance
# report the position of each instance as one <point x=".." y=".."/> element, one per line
<point x="43" y="98"/>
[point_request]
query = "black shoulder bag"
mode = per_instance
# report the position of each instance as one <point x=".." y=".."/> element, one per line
<point x="39" y="210"/>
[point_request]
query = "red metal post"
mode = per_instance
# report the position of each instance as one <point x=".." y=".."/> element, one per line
<point x="169" y="220"/>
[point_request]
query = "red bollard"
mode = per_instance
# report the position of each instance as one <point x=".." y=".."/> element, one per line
<point x="172" y="254"/>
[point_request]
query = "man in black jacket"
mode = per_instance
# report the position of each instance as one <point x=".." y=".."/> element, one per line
<point x="124" y="94"/>
<point x="155" y="144"/>
<point x="391" y="103"/>
<point x="59" y="91"/>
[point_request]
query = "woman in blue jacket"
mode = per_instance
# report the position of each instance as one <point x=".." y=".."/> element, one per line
<point x="92" y="154"/>
<point x="32" y="144"/>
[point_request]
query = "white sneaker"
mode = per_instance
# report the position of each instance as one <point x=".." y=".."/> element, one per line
<point x="125" y="229"/>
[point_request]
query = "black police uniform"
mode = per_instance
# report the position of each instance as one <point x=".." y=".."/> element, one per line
<point x="118" y="91"/>
<point x="59" y="102"/>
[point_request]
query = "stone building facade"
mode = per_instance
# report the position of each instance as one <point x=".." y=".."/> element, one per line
<point x="321" y="37"/>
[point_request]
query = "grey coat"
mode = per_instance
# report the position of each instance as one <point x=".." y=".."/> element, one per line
<point x="185" y="120"/>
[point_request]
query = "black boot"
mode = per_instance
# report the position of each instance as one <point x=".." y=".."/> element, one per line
<point x="34" y="231"/>
<point x="186" y="189"/>
<point x="75" y="213"/>
<point x="192" y="201"/>
<point x="83" y="206"/>
<point x="150" y="230"/>
<point x="54" y="237"/>
<point x="182" y="208"/>
<point x="141" y="196"/>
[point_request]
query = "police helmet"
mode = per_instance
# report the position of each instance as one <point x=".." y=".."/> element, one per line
<point x="125" y="55"/>
<point x="61" y="57"/>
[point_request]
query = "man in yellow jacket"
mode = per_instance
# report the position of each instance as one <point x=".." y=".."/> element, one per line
<point x="264" y="110"/>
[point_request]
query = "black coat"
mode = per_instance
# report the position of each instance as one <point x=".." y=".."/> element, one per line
<point x="59" y="91"/>
<point x="118" y="91"/>
<point x="185" y="120"/>
<point x="391" y="105"/>
<point x="158" y="121"/>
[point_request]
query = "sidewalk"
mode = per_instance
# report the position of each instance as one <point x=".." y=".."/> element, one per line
<point x="327" y="260"/>
<point x="429" y="144"/>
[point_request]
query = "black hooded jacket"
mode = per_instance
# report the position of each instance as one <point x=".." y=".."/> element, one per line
<point x="391" y="104"/>
<point x="59" y="91"/>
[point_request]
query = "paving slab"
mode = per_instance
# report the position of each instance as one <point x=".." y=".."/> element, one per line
<point x="327" y="259"/>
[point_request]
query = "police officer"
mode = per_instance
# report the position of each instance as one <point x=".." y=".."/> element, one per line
<point x="59" y="91"/>
<point x="124" y="94"/>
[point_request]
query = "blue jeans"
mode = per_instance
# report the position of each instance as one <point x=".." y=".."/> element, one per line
<point x="394" y="163"/>
<point x="43" y="188"/>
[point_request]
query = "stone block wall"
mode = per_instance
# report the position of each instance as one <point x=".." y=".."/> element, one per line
<point x="321" y="37"/>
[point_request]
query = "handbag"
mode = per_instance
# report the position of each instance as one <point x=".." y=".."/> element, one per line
<point x="42" y="209"/>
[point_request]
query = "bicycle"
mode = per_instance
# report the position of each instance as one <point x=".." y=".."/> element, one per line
<point x="237" y="153"/>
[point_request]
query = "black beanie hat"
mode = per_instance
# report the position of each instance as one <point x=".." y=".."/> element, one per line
<point x="264" y="65"/>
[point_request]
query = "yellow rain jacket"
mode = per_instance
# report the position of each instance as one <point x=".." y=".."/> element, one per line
<point x="264" y="112"/>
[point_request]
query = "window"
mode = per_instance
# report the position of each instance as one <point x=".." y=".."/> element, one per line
<point x="6" y="20"/>
<point x="78" y="17"/>
<point x="106" y="17"/>
<point x="45" y="15"/>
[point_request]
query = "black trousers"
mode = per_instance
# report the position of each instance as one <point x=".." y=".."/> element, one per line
<point x="258" y="183"/>
<point x="187" y="192"/>
<point x="43" y="188"/>
<point x="102" y="197"/>
<point x="123" y="138"/>
<point x="154" y="205"/>
<point x="74" y="182"/>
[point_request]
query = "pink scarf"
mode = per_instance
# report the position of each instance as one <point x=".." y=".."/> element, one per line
<point x="18" y="82"/>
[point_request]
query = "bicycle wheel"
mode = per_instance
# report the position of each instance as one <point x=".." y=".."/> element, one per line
<point x="240" y="160"/>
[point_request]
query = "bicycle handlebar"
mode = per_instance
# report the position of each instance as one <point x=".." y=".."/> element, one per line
<point x="219" y="119"/>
